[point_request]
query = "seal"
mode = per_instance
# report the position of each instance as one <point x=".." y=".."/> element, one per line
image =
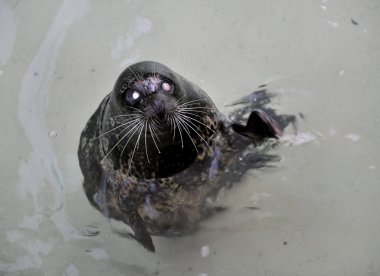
<point x="157" y="150"/>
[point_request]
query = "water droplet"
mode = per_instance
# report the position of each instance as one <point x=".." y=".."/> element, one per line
<point x="53" y="134"/>
<point x="353" y="137"/>
<point x="205" y="251"/>
<point x="333" y="24"/>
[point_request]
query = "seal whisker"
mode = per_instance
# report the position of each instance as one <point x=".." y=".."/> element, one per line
<point x="154" y="120"/>
<point x="130" y="125"/>
<point x="146" y="147"/>
<point x="192" y="114"/>
<point x="135" y="74"/>
<point x="118" y="143"/>
<point x="123" y="124"/>
<point x="179" y="128"/>
<point x="138" y="110"/>
<point x="126" y="115"/>
<point x="124" y="129"/>
<point x="134" y="149"/>
<point x="197" y="100"/>
<point x="154" y="141"/>
<point x="196" y="121"/>
<point x="135" y="129"/>
<point x="196" y="107"/>
<point x="184" y="126"/>
<point x="179" y="100"/>
<point x="155" y="128"/>
<point x="196" y="132"/>
<point x="172" y="125"/>
<point x="133" y="119"/>
<point x="190" y="102"/>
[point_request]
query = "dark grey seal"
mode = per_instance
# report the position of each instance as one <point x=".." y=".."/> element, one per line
<point x="157" y="150"/>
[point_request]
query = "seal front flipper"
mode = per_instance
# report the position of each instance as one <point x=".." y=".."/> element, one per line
<point x="134" y="220"/>
<point x="141" y="232"/>
<point x="259" y="126"/>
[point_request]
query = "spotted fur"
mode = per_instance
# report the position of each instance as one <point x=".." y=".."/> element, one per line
<point x="164" y="195"/>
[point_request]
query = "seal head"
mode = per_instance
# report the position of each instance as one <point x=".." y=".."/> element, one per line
<point x="151" y="115"/>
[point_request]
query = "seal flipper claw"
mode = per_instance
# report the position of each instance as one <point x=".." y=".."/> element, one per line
<point x="259" y="126"/>
<point x="141" y="234"/>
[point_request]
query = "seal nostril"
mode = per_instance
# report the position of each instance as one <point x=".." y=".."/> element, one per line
<point x="162" y="106"/>
<point x="159" y="108"/>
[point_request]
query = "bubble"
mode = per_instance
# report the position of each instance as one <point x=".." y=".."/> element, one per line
<point x="53" y="134"/>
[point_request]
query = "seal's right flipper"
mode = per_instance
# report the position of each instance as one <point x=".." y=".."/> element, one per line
<point x="259" y="126"/>
<point x="141" y="233"/>
<point x="138" y="226"/>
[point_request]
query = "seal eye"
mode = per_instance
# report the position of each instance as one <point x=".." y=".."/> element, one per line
<point x="166" y="87"/>
<point x="133" y="97"/>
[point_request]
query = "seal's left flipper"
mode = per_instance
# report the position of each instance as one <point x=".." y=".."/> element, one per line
<point x="259" y="126"/>
<point x="257" y="98"/>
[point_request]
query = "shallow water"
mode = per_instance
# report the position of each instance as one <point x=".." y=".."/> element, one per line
<point x="316" y="211"/>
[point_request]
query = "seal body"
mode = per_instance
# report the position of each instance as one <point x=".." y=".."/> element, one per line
<point x="157" y="150"/>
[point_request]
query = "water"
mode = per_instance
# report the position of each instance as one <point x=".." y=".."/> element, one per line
<point x="315" y="212"/>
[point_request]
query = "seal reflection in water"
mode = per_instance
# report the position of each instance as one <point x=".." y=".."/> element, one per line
<point x="157" y="149"/>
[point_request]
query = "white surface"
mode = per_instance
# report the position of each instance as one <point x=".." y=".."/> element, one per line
<point x="58" y="59"/>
